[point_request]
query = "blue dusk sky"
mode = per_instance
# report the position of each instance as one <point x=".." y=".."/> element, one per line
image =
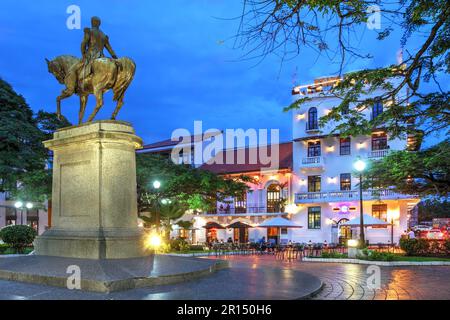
<point x="187" y="68"/>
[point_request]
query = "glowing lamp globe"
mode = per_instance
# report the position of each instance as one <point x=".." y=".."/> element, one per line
<point x="156" y="184"/>
<point x="18" y="204"/>
<point x="359" y="165"/>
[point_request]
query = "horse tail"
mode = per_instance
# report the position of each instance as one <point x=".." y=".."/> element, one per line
<point x="125" y="74"/>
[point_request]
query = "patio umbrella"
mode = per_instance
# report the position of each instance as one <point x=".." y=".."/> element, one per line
<point x="238" y="225"/>
<point x="278" y="222"/>
<point x="369" y="221"/>
<point x="213" y="225"/>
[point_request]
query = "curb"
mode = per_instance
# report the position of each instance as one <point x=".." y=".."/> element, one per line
<point x="314" y="293"/>
<point x="211" y="254"/>
<point x="380" y="263"/>
<point x="115" y="285"/>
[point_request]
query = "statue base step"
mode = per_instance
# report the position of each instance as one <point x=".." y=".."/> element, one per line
<point x="112" y="244"/>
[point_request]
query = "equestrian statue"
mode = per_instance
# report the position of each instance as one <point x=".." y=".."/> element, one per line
<point x="94" y="73"/>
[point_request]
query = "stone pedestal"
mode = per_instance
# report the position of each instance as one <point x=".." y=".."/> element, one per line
<point x="94" y="202"/>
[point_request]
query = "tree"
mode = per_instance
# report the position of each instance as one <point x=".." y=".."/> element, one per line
<point x="286" y="27"/>
<point x="433" y="208"/>
<point x="424" y="172"/>
<point x="21" y="149"/>
<point x="185" y="186"/>
<point x="23" y="157"/>
<point x="162" y="212"/>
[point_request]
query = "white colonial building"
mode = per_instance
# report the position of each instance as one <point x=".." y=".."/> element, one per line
<point x="315" y="184"/>
<point x="326" y="183"/>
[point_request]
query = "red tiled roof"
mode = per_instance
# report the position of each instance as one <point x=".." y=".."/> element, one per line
<point x="170" y="143"/>
<point x="285" y="160"/>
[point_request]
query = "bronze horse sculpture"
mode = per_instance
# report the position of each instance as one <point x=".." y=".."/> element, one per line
<point x="106" y="74"/>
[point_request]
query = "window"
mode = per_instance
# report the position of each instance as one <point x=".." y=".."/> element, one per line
<point x="346" y="181"/>
<point x="11" y="216"/>
<point x="314" y="183"/>
<point x="33" y="218"/>
<point x="379" y="211"/>
<point x="312" y="119"/>
<point x="345" y="146"/>
<point x="313" y="149"/>
<point x="377" y="109"/>
<point x="314" y="218"/>
<point x="240" y="203"/>
<point x="273" y="198"/>
<point x="379" y="141"/>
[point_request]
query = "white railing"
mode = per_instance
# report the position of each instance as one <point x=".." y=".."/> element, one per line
<point x="348" y="195"/>
<point x="312" y="160"/>
<point x="378" y="154"/>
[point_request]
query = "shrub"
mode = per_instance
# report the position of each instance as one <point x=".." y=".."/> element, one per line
<point x="3" y="248"/>
<point x="447" y="246"/>
<point x="195" y="247"/>
<point x="333" y="255"/>
<point x="415" y="247"/>
<point x="18" y="236"/>
<point x="376" y="255"/>
<point x="179" y="244"/>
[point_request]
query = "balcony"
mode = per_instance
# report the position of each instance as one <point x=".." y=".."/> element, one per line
<point x="350" y="195"/>
<point x="312" y="127"/>
<point x="241" y="211"/>
<point x="378" y="154"/>
<point x="312" y="162"/>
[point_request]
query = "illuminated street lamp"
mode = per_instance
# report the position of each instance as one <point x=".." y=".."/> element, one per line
<point x="20" y="205"/>
<point x="360" y="166"/>
<point x="156" y="184"/>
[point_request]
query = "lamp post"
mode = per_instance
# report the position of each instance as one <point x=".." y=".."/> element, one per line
<point x="393" y="216"/>
<point x="20" y="205"/>
<point x="156" y="186"/>
<point x="360" y="166"/>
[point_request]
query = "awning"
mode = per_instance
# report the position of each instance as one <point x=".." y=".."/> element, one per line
<point x="213" y="225"/>
<point x="368" y="220"/>
<point x="278" y="222"/>
<point x="239" y="224"/>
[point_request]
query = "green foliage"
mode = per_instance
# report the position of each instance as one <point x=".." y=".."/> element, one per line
<point x="21" y="149"/>
<point x="447" y="245"/>
<point x="185" y="224"/>
<point x="191" y="187"/>
<point x="3" y="248"/>
<point x="433" y="208"/>
<point x="179" y="244"/>
<point x="415" y="247"/>
<point x="424" y="172"/>
<point x="373" y="255"/>
<point x="331" y="28"/>
<point x="18" y="236"/>
<point x="23" y="157"/>
<point x="333" y="255"/>
<point x="196" y="247"/>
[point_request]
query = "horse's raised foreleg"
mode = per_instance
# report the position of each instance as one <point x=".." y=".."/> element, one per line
<point x="64" y="94"/>
<point x="83" y="102"/>
<point x="116" y="111"/>
<point x="99" y="103"/>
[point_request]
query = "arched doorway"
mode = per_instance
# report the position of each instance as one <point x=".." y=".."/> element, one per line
<point x="273" y="198"/>
<point x="344" y="232"/>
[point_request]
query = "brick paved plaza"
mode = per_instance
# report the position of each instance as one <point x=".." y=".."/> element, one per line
<point x="348" y="281"/>
<point x="264" y="277"/>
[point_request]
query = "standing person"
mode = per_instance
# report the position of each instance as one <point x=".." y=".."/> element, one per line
<point x="411" y="234"/>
